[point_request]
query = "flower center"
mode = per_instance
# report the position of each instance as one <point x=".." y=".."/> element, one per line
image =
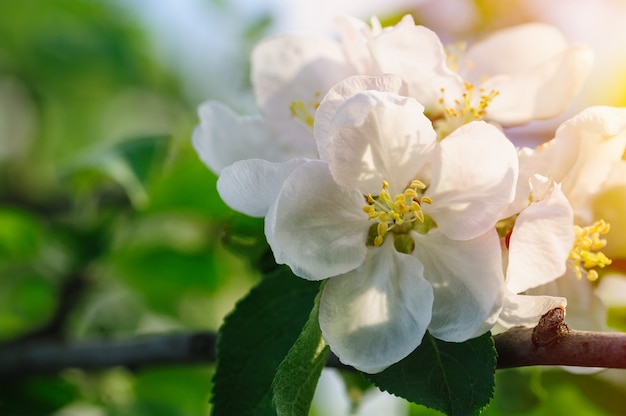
<point x="304" y="112"/>
<point x="398" y="214"/>
<point x="463" y="111"/>
<point x="585" y="254"/>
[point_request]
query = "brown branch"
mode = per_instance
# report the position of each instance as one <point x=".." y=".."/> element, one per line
<point x="41" y="358"/>
<point x="552" y="342"/>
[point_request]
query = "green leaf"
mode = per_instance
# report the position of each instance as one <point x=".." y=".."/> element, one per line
<point x="295" y="381"/>
<point x="36" y="395"/>
<point x="129" y="163"/>
<point x="254" y="340"/>
<point x="455" y="378"/>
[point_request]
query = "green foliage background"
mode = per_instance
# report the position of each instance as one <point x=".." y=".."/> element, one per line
<point x="100" y="191"/>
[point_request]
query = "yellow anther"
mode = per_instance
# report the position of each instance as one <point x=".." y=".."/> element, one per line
<point x="417" y="184"/>
<point x="426" y="200"/>
<point x="585" y="254"/>
<point x="463" y="111"/>
<point x="410" y="193"/>
<point x="397" y="213"/>
<point x="300" y="111"/>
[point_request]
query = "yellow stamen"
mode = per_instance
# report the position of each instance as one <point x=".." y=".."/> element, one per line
<point x="464" y="110"/>
<point x="300" y="111"/>
<point x="585" y="254"/>
<point x="391" y="213"/>
<point x="454" y="54"/>
<point x="304" y="112"/>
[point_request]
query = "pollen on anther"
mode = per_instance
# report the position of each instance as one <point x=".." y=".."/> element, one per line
<point x="398" y="212"/>
<point x="585" y="255"/>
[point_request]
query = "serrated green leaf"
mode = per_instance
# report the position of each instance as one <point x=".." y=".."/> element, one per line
<point x="295" y="381"/>
<point x="454" y="378"/>
<point x="254" y="340"/>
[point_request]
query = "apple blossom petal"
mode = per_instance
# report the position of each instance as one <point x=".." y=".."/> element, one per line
<point x="581" y="156"/>
<point x="379" y="136"/>
<point x="513" y="49"/>
<point x="540" y="243"/>
<point x="251" y="186"/>
<point x="295" y="68"/>
<point x="340" y="93"/>
<point x="598" y="135"/>
<point x="223" y="137"/>
<point x="316" y="227"/>
<point x="522" y="310"/>
<point x="467" y="281"/>
<point x="377" y="314"/>
<point x="473" y="181"/>
<point x="416" y="54"/>
<point x="541" y="92"/>
<point x="354" y="36"/>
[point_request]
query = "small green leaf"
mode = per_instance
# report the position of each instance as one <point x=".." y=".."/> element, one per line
<point x="254" y="340"/>
<point x="129" y="163"/>
<point x="455" y="378"/>
<point x="295" y="381"/>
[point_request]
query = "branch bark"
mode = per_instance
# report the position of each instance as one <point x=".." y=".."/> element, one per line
<point x="517" y="347"/>
<point x="552" y="342"/>
<point x="49" y="357"/>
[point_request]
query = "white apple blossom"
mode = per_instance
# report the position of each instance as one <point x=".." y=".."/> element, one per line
<point x="401" y="225"/>
<point x="290" y="75"/>
<point x="582" y="158"/>
<point x="511" y="77"/>
<point x="538" y="239"/>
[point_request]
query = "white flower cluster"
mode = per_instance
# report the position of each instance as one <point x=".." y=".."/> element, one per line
<point x="380" y="163"/>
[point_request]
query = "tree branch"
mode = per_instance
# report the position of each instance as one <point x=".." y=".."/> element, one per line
<point x="50" y="357"/>
<point x="551" y="342"/>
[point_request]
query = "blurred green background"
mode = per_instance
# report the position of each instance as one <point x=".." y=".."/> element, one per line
<point x="111" y="228"/>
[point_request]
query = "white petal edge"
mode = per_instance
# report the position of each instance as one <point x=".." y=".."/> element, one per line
<point x="467" y="280"/>
<point x="316" y="227"/>
<point x="522" y="310"/>
<point x="416" y="54"/>
<point x="295" y="68"/>
<point x="517" y="48"/>
<point x="377" y="314"/>
<point x="342" y="92"/>
<point x="378" y="136"/>
<point x="541" y="92"/>
<point x="540" y="242"/>
<point x="223" y="137"/>
<point x="251" y="186"/>
<point x="474" y="179"/>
